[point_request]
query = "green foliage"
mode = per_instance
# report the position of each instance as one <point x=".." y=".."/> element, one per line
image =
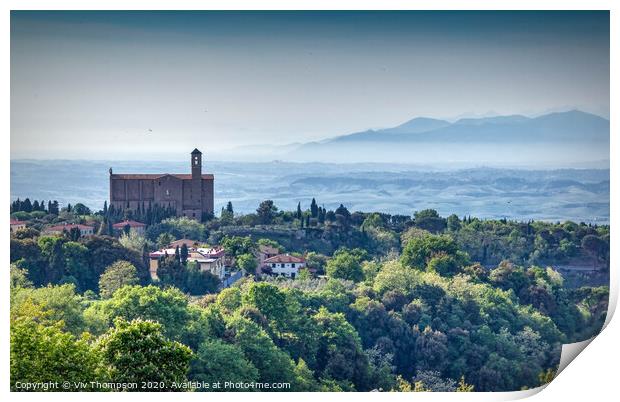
<point x="43" y="353"/>
<point x="247" y="262"/>
<point x="60" y="306"/>
<point x="218" y="361"/>
<point x="236" y="245"/>
<point x="168" y="307"/>
<point x="229" y="299"/>
<point x="117" y="275"/>
<point x="266" y="212"/>
<point x="427" y="321"/>
<point x="419" y="250"/>
<point x="132" y="241"/>
<point x="199" y="282"/>
<point x="268" y="299"/>
<point x="345" y="265"/>
<point x="19" y="278"/>
<point x="180" y="228"/>
<point x="138" y="351"/>
<point x="273" y="364"/>
<point x="271" y="243"/>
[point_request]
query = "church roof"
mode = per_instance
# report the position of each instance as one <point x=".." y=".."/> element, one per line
<point x="138" y="176"/>
<point x="196" y="151"/>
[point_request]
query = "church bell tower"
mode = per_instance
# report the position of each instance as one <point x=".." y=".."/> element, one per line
<point x="196" y="164"/>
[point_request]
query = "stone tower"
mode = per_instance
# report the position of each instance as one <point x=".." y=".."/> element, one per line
<point x="196" y="179"/>
<point x="196" y="164"/>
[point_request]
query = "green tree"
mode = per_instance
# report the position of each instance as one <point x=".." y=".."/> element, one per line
<point x="117" y="275"/>
<point x="81" y="209"/>
<point x="164" y="239"/>
<point x="273" y="364"/>
<point x="247" y="262"/>
<point x="268" y="299"/>
<point x="298" y="213"/>
<point x="44" y="353"/>
<point x="429" y="219"/>
<point x="345" y="266"/>
<point x="266" y="212"/>
<point x="199" y="282"/>
<point x="168" y="306"/>
<point x="314" y="208"/>
<point x="236" y="245"/>
<point x="138" y="351"/>
<point x="443" y="264"/>
<point x="132" y="240"/>
<point x="216" y="361"/>
<point x="58" y="304"/>
<point x="229" y="299"/>
<point x="419" y="250"/>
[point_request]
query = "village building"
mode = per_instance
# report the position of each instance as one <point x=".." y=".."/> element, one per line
<point x="208" y="259"/>
<point x="187" y="242"/>
<point x="85" y="230"/>
<point x="263" y="253"/>
<point x="137" y="227"/>
<point x="17" y="225"/>
<point x="189" y="195"/>
<point x="284" y="264"/>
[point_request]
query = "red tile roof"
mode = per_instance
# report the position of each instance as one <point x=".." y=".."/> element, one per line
<point x="268" y="249"/>
<point x="180" y="242"/>
<point x="283" y="259"/>
<point x="132" y="224"/>
<point x="148" y="176"/>
<point x="17" y="222"/>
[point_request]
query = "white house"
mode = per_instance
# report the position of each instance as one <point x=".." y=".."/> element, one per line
<point x="137" y="227"/>
<point x="208" y="259"/>
<point x="263" y="253"/>
<point x="284" y="264"/>
<point x="85" y="230"/>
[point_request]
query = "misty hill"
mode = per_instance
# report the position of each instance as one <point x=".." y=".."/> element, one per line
<point x="565" y="126"/>
<point x="559" y="139"/>
<point x="575" y="194"/>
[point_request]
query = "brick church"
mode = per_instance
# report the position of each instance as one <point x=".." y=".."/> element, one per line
<point x="190" y="195"/>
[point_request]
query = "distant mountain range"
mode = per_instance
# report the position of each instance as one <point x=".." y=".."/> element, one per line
<point x="574" y="125"/>
<point x="567" y="139"/>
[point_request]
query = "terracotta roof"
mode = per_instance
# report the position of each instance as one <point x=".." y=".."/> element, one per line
<point x="132" y="224"/>
<point x="17" y="222"/>
<point x="180" y="242"/>
<point x="268" y="249"/>
<point x="154" y="176"/>
<point x="284" y="258"/>
<point x="69" y="226"/>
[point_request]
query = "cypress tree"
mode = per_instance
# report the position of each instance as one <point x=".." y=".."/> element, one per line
<point x="314" y="209"/>
<point x="184" y="254"/>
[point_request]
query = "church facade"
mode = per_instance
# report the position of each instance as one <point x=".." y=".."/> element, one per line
<point x="190" y="195"/>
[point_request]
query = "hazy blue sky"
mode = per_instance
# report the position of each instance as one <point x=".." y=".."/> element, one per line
<point x="110" y="84"/>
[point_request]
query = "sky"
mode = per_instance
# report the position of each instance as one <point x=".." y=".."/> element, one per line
<point x="146" y="85"/>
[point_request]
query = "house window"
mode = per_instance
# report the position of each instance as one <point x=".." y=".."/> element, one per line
<point x="273" y="265"/>
<point x="281" y="265"/>
<point x="293" y="265"/>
